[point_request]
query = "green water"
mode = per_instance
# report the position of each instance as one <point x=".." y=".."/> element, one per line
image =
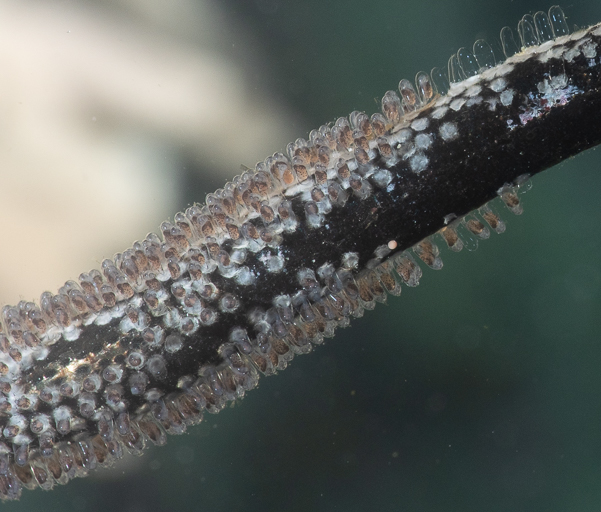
<point x="480" y="390"/>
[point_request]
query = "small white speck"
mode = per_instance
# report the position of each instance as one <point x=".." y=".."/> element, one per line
<point x="350" y="260"/>
<point x="543" y="87"/>
<point x="419" y="163"/>
<point x="507" y="97"/>
<point x="382" y="177"/>
<point x="570" y="55"/>
<point x="589" y="50"/>
<point x="498" y="84"/>
<point x="449" y="218"/>
<point x="448" y="131"/>
<point x="559" y="81"/>
<point x="457" y="104"/>
<point x="474" y="90"/>
<point x="474" y="101"/>
<point x="423" y="141"/>
<point x="420" y="124"/>
<point x="273" y="262"/>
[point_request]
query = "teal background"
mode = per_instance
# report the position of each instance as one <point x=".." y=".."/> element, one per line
<point x="478" y="390"/>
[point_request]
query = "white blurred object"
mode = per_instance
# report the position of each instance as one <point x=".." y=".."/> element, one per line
<point x="96" y="105"/>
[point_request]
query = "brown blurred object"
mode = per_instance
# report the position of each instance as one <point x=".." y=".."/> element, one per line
<point x="98" y="103"/>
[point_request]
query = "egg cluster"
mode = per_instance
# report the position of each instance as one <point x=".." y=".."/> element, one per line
<point x="181" y="324"/>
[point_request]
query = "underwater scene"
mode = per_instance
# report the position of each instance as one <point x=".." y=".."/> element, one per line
<point x="479" y="389"/>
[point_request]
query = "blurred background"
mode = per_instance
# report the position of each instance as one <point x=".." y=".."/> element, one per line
<point x="478" y="390"/>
